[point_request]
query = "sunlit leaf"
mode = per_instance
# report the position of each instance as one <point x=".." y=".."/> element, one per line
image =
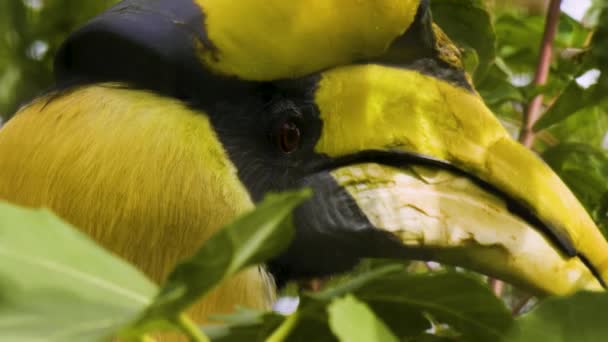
<point x="352" y="321"/>
<point x="58" y="285"/>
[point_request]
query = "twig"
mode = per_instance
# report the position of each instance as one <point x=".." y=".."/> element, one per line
<point x="283" y="331"/>
<point x="190" y="329"/>
<point x="533" y="111"/>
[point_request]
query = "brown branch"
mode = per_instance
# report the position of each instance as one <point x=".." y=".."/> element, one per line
<point x="533" y="111"/>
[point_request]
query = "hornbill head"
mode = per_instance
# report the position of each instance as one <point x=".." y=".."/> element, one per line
<point x="366" y="103"/>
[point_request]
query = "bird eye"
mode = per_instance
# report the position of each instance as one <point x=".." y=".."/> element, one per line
<point x="288" y="136"/>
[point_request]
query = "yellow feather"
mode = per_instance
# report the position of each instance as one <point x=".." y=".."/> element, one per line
<point x="142" y="174"/>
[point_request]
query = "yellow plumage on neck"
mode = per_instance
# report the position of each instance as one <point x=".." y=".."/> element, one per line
<point x="142" y="174"/>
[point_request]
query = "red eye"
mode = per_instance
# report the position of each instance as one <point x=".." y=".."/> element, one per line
<point x="288" y="136"/>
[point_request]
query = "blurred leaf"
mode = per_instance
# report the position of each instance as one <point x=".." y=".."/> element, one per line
<point x="58" y="285"/>
<point x="251" y="239"/>
<point x="580" y="318"/>
<point x="352" y="320"/>
<point x="244" y="325"/>
<point x="32" y="31"/>
<point x="588" y="126"/>
<point x="518" y="39"/>
<point x="469" y="24"/>
<point x="591" y="18"/>
<point x="585" y="170"/>
<point x="599" y="42"/>
<point x="573" y="99"/>
<point x="497" y="89"/>
<point x="570" y="33"/>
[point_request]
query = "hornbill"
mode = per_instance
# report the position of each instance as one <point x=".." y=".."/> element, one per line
<point x="171" y="117"/>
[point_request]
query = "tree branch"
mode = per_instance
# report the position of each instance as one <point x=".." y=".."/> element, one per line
<point x="533" y="111"/>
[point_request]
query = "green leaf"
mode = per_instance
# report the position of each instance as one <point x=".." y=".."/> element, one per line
<point x="462" y="302"/>
<point x="401" y="301"/>
<point x="244" y="325"/>
<point x="518" y="39"/>
<point x="251" y="239"/>
<point x="351" y="284"/>
<point x="58" y="285"/>
<point x="352" y="321"/>
<point x="570" y="33"/>
<point x="580" y="318"/>
<point x="573" y="99"/>
<point x="497" y="89"/>
<point x="599" y="43"/>
<point x="309" y="323"/>
<point x="587" y="126"/>
<point x="585" y="170"/>
<point x="469" y="24"/>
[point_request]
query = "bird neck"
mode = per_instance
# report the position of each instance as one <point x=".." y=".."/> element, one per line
<point x="142" y="174"/>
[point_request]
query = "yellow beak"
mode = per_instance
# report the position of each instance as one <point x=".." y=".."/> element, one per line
<point x="497" y="209"/>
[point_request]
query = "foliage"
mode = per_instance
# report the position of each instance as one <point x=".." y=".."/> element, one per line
<point x="580" y="318"/>
<point x="250" y="240"/>
<point x="56" y="284"/>
<point x="576" y="112"/>
<point x="32" y="31"/>
<point x="469" y="24"/>
<point x="103" y="295"/>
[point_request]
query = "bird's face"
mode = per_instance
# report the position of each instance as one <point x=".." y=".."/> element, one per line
<point x="403" y="165"/>
<point x="366" y="104"/>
